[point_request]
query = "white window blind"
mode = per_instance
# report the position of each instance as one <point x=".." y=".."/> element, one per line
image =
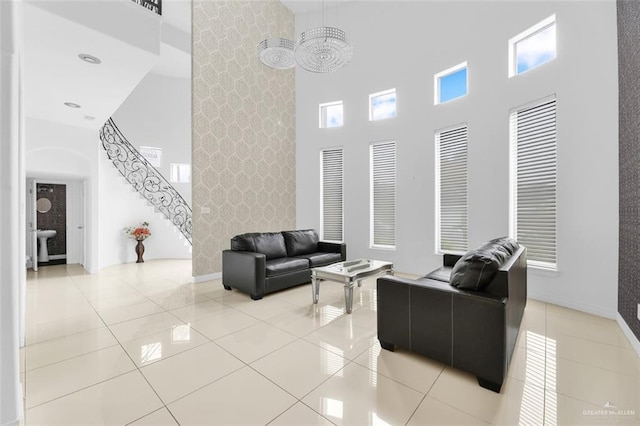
<point x="533" y="181"/>
<point x="331" y="203"/>
<point x="451" y="189"/>
<point x="383" y="194"/>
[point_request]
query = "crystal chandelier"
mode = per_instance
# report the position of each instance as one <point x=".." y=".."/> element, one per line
<point x="277" y="53"/>
<point x="320" y="50"/>
<point x="323" y="49"/>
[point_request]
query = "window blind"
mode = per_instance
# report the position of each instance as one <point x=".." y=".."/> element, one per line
<point x="331" y="204"/>
<point x="383" y="194"/>
<point x="534" y="181"/>
<point x="451" y="190"/>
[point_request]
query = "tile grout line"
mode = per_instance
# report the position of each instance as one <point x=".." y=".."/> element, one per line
<point x="81" y="389"/>
<point x="129" y="356"/>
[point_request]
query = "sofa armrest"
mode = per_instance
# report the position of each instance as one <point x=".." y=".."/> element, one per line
<point x="327" y="247"/>
<point x="245" y="271"/>
<point x="415" y="315"/>
<point x="465" y="329"/>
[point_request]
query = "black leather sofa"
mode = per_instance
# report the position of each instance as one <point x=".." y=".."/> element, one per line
<point x="474" y="330"/>
<point x="263" y="262"/>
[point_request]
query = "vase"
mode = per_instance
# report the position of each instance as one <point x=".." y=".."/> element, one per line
<point x="140" y="252"/>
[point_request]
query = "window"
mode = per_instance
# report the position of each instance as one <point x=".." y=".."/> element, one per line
<point x="180" y="173"/>
<point x="331" y="115"/>
<point x="451" y="190"/>
<point x="533" y="181"/>
<point x="450" y="84"/>
<point x="383" y="195"/>
<point x="382" y="105"/>
<point x="533" y="47"/>
<point x="331" y="190"/>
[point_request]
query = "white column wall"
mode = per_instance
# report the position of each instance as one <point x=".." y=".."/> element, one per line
<point x="402" y="45"/>
<point x="10" y="257"/>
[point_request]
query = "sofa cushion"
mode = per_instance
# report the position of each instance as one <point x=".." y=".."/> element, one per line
<point x="443" y="274"/>
<point x="321" y="258"/>
<point x="476" y="269"/>
<point x="301" y="242"/>
<point x="284" y="265"/>
<point x="271" y="244"/>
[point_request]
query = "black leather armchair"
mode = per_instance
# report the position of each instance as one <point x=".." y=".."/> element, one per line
<point x="474" y="331"/>
<point x="263" y="262"/>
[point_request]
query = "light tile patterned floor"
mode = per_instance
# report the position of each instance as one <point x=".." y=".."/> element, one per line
<point x="140" y="344"/>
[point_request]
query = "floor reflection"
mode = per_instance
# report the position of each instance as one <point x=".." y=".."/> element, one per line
<point x="150" y="352"/>
<point x="539" y="406"/>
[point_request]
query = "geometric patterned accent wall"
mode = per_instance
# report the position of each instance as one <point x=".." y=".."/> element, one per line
<point x="243" y="121"/>
<point x="629" y="165"/>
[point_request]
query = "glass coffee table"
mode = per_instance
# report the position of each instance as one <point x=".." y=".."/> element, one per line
<point x="348" y="273"/>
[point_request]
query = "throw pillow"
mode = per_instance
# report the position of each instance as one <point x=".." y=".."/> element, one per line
<point x="507" y="243"/>
<point x="476" y="269"/>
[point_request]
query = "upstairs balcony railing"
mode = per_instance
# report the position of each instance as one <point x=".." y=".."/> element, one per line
<point x="153" y="5"/>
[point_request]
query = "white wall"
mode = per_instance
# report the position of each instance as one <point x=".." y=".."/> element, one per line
<point x="11" y="279"/>
<point x="122" y="207"/>
<point x="61" y="153"/>
<point x="158" y="113"/>
<point x="402" y="45"/>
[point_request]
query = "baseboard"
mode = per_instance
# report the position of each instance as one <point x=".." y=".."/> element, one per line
<point x="20" y="401"/>
<point x="571" y="304"/>
<point x="627" y="332"/>
<point x="208" y="277"/>
<point x="15" y="422"/>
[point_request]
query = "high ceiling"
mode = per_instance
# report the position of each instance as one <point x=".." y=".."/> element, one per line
<point x="57" y="32"/>
<point x="300" y="7"/>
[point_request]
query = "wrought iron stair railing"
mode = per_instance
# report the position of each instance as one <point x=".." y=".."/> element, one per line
<point x="153" y="5"/>
<point x="145" y="178"/>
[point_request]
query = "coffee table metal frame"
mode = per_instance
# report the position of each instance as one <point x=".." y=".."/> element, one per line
<point x="348" y="273"/>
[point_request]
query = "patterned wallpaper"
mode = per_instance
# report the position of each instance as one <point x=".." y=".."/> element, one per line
<point x="629" y="140"/>
<point x="56" y="218"/>
<point x="243" y="127"/>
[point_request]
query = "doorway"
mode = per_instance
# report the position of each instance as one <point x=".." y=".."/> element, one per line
<point x="55" y="219"/>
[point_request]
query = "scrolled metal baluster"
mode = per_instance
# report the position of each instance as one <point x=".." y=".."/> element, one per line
<point x="146" y="179"/>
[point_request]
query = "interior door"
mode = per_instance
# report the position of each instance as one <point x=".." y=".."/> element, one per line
<point x="75" y="223"/>
<point x="81" y="227"/>
<point x="32" y="214"/>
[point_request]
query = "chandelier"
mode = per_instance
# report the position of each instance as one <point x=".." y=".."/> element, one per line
<point x="277" y="53"/>
<point x="320" y="50"/>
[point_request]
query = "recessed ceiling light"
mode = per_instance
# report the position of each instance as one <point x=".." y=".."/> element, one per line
<point x="89" y="58"/>
<point x="89" y="118"/>
<point x="72" y="105"/>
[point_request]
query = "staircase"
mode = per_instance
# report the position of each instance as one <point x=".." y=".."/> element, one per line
<point x="146" y="179"/>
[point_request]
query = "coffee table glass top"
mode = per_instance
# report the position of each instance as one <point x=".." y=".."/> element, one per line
<point x="352" y="267"/>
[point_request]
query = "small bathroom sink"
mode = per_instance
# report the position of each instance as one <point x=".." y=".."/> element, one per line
<point x="46" y="233"/>
<point x="43" y="236"/>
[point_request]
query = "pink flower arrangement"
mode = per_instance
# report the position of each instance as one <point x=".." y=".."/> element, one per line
<point x="139" y="233"/>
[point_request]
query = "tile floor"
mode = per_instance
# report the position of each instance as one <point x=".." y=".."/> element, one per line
<point x="139" y="344"/>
